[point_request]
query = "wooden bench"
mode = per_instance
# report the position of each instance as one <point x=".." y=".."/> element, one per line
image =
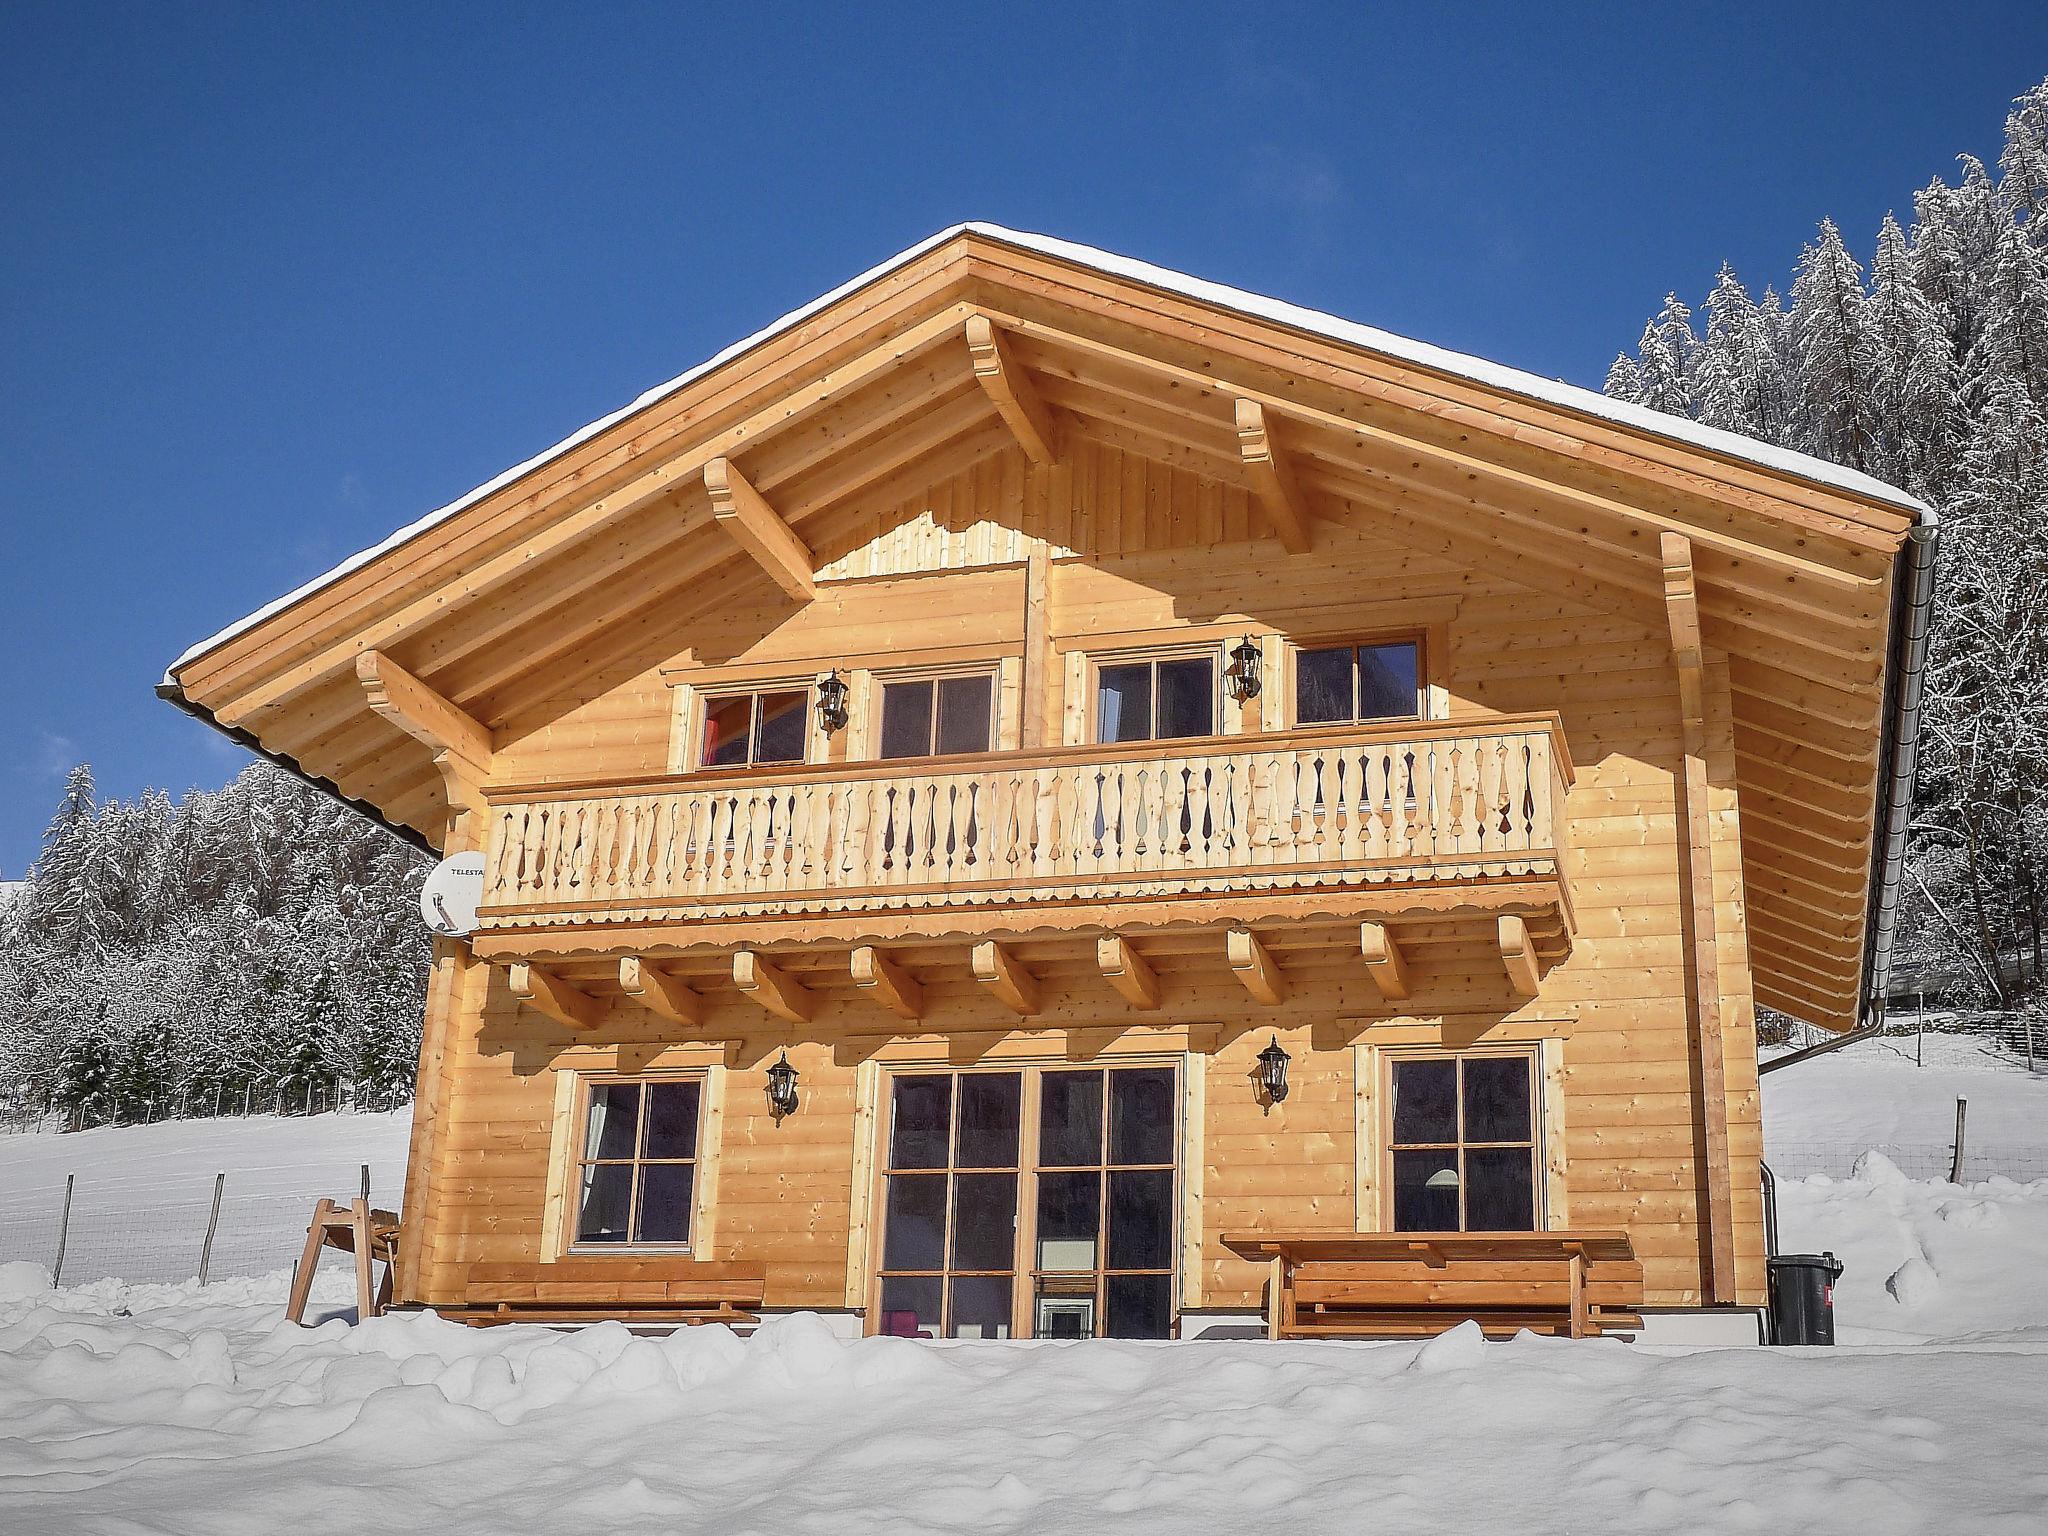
<point x="1393" y="1284"/>
<point x="593" y="1289"/>
<point x="355" y="1228"/>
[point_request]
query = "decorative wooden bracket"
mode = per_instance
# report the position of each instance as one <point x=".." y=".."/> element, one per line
<point x="744" y="513"/>
<point x="894" y="988"/>
<point x="660" y="993"/>
<point x="1011" y="392"/>
<point x="1272" y="478"/>
<point x="769" y="986"/>
<point x="997" y="969"/>
<point x="554" y="997"/>
<point x="460" y="744"/>
<point x="1128" y="971"/>
<point x="1254" y="965"/>
<point x="1384" y="960"/>
<point x="1518" y="954"/>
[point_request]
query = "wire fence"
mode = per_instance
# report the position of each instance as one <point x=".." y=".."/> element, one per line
<point x="23" y="1115"/>
<point x="2019" y="1161"/>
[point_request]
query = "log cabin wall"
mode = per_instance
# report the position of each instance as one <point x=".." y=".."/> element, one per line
<point x="944" y="569"/>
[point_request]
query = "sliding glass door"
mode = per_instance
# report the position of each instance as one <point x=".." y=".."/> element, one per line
<point x="1036" y="1201"/>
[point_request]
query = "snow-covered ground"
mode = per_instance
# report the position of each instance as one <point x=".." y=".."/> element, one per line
<point x="135" y="1408"/>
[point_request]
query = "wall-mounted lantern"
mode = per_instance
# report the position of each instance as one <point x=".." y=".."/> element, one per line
<point x="832" y="702"/>
<point x="1273" y="1072"/>
<point x="781" y="1089"/>
<point x="1242" y="675"/>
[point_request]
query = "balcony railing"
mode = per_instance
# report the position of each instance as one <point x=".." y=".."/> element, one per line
<point x="1401" y="802"/>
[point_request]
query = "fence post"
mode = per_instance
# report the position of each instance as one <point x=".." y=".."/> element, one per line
<point x="1955" y="1167"/>
<point x="212" y="1221"/>
<point x="366" y="1184"/>
<point x="63" y="1231"/>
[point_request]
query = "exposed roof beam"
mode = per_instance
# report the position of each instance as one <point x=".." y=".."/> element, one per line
<point x="1518" y="955"/>
<point x="1128" y="971"/>
<point x="1016" y="401"/>
<point x="1272" y="477"/>
<point x="549" y="994"/>
<point x="460" y="745"/>
<point x="660" y="993"/>
<point x="767" y="984"/>
<point x="997" y="969"/>
<point x="893" y="987"/>
<point x="1384" y="960"/>
<point x="1253" y="963"/>
<point x="744" y="513"/>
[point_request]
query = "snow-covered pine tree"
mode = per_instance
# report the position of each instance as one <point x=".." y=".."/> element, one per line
<point x="1913" y="372"/>
<point x="1837" y="358"/>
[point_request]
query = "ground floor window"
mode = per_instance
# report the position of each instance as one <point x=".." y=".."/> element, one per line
<point x="636" y="1177"/>
<point x="1033" y="1201"/>
<point x="1463" y="1143"/>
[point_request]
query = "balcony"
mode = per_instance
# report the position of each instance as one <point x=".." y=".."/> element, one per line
<point x="1367" y="817"/>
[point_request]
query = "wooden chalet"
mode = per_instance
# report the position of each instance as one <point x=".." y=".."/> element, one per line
<point x="1035" y="783"/>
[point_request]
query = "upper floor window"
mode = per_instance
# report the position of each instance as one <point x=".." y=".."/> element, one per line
<point x="743" y="729"/>
<point x="1156" y="700"/>
<point x="936" y="716"/>
<point x="1380" y="681"/>
<point x="636" y="1177"/>
<point x="1464" y="1143"/>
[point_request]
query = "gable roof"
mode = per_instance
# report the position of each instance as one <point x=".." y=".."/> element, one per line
<point x="1531" y="386"/>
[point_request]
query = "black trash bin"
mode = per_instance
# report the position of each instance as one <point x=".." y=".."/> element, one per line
<point x="1803" y="1297"/>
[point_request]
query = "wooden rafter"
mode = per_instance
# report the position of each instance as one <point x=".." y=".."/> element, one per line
<point x="549" y="994"/>
<point x="773" y="988"/>
<point x="1013" y="986"/>
<point x="1518" y="955"/>
<point x="1272" y="477"/>
<point x="755" y="526"/>
<point x="660" y="993"/>
<point x="1128" y="971"/>
<point x="893" y="987"/>
<point x="460" y="744"/>
<point x="1015" y="400"/>
<point x="1384" y="959"/>
<point x="1254" y="965"/>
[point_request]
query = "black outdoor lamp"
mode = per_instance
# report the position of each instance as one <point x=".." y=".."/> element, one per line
<point x="1244" y="669"/>
<point x="832" y="702"/>
<point x="1273" y="1072"/>
<point x="781" y="1088"/>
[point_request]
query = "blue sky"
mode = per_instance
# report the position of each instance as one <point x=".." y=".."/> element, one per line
<point x="276" y="279"/>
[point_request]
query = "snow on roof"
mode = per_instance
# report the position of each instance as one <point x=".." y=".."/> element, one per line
<point x="1478" y="370"/>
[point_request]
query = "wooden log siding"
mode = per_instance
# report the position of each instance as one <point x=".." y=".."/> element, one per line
<point x="1403" y="802"/>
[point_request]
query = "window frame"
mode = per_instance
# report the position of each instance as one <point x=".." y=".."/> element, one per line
<point x="1426" y="686"/>
<point x="577" y="1161"/>
<point x="881" y="681"/>
<point x="704" y="699"/>
<point x="1215" y="652"/>
<point x="1531" y="1054"/>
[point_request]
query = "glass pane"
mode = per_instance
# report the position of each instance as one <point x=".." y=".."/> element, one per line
<point x="1322" y="685"/>
<point x="1140" y="1220"/>
<point x="728" y="724"/>
<point x="1187" y="698"/>
<point x="990" y="1108"/>
<point x="910" y="1307"/>
<point x="1425" y="1102"/>
<point x="1070" y="1119"/>
<point x="782" y="728"/>
<point x="1426" y="1191"/>
<point x="665" y="1191"/>
<point x="906" y="719"/>
<point x="1068" y="1206"/>
<point x="1497" y="1098"/>
<point x="915" y="1235"/>
<point x="607" y="1198"/>
<point x="1140" y="1307"/>
<point x="1500" y="1189"/>
<point x="981" y="1307"/>
<point x="920" y="1128"/>
<point x="1141" y="1116"/>
<point x="671" y="1120"/>
<point x="1388" y="687"/>
<point x="984" y="1220"/>
<point x="1123" y="703"/>
<point x="965" y="711"/>
<point x="613" y="1126"/>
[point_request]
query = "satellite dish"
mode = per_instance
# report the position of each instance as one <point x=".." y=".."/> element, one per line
<point x="448" y="901"/>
